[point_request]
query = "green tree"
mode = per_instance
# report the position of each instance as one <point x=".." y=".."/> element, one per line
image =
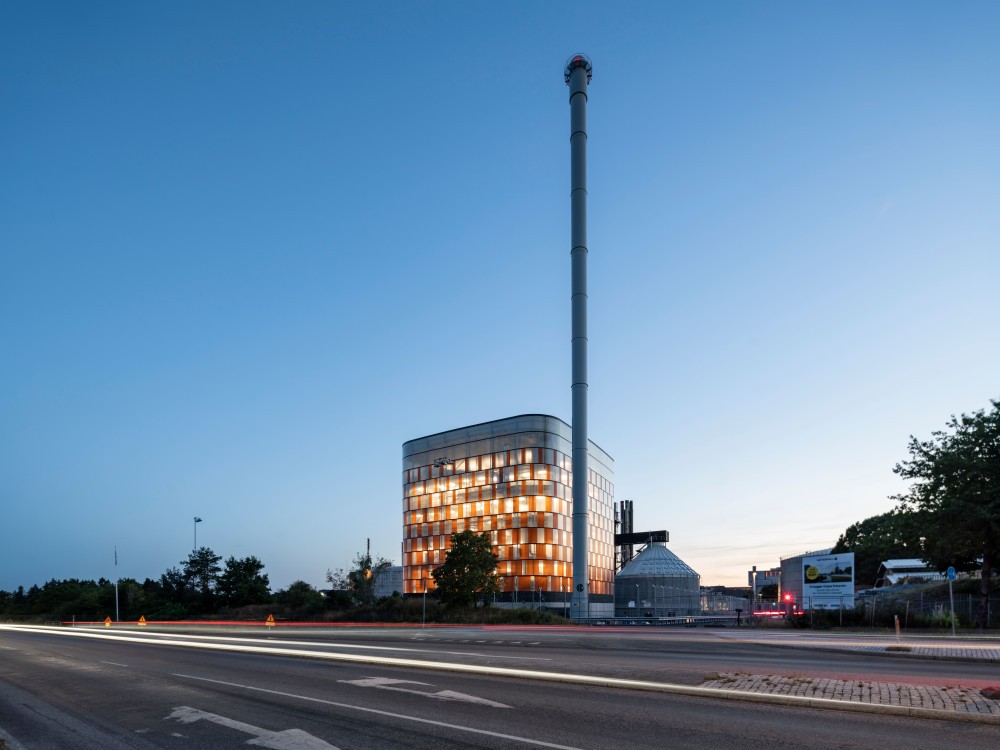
<point x="360" y="579"/>
<point x="883" y="537"/>
<point x="301" y="597"/>
<point x="244" y="582"/>
<point x="201" y="573"/>
<point x="173" y="586"/>
<point x="469" y="572"/>
<point x="956" y="488"/>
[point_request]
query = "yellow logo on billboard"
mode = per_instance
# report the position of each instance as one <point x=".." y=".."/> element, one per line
<point x="812" y="572"/>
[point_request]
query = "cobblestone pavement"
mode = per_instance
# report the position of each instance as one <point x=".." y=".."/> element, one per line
<point x="965" y="700"/>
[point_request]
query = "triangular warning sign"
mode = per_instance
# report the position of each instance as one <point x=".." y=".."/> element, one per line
<point x="269" y="621"/>
<point x="107" y="622"/>
<point x="142" y="621"/>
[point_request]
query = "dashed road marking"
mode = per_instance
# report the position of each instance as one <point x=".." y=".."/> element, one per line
<point x="389" y="683"/>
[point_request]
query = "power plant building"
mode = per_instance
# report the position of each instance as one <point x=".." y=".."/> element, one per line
<point x="511" y="478"/>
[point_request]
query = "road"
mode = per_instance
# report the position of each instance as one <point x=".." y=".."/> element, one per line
<point x="58" y="691"/>
<point x="682" y="656"/>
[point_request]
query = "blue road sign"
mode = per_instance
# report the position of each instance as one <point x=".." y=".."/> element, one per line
<point x="951" y="573"/>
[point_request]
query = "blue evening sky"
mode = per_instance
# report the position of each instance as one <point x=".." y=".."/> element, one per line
<point x="249" y="249"/>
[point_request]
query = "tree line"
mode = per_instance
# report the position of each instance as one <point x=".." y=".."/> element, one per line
<point x="950" y="514"/>
<point x="202" y="586"/>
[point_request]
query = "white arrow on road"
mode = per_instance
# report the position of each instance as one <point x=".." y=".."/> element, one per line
<point x="387" y="683"/>
<point x="290" y="739"/>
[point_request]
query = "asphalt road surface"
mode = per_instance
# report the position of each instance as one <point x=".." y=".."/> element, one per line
<point x="60" y="691"/>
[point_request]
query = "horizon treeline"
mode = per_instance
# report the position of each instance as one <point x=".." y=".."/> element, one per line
<point x="204" y="585"/>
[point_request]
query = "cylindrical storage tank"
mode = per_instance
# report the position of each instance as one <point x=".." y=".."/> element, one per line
<point x="657" y="583"/>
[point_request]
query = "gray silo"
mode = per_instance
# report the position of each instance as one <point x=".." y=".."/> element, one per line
<point x="657" y="583"/>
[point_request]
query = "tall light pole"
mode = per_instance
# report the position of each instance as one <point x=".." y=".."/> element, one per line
<point x="117" y="619"/>
<point x="577" y="73"/>
<point x="196" y="522"/>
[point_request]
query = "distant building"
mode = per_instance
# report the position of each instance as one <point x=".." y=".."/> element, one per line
<point x="907" y="570"/>
<point x="389" y="581"/>
<point x="511" y="478"/>
<point x="769" y="577"/>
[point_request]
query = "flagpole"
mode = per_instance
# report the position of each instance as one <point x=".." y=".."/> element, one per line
<point x="116" y="583"/>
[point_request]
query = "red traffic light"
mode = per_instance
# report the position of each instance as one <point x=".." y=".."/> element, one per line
<point x="788" y="597"/>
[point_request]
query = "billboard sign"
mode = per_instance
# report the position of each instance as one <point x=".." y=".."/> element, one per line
<point x="828" y="581"/>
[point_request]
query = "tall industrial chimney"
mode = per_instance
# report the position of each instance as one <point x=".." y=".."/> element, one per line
<point x="578" y="73"/>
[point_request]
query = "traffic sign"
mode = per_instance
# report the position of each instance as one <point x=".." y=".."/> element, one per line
<point x="107" y="622"/>
<point x="269" y="621"/>
<point x="951" y="573"/>
<point x="142" y="621"/>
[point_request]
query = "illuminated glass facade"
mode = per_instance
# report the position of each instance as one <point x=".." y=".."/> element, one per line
<point x="511" y="478"/>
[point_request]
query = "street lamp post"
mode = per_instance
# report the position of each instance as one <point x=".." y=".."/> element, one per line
<point x="423" y="614"/>
<point x="116" y="584"/>
<point x="196" y="522"/>
<point x="637" y="600"/>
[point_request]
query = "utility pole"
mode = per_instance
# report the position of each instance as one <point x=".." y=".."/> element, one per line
<point x="116" y="584"/>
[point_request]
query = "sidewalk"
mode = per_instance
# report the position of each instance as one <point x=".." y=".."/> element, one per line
<point x="964" y="700"/>
<point x="970" y="704"/>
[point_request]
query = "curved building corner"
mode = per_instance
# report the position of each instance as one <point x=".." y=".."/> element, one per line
<point x="511" y="478"/>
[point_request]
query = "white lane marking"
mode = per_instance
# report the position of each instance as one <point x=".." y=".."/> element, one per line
<point x="451" y="695"/>
<point x="390" y="714"/>
<point x="388" y="683"/>
<point x="379" y="681"/>
<point x="271" y="641"/>
<point x="289" y="739"/>
<point x="117" y="664"/>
